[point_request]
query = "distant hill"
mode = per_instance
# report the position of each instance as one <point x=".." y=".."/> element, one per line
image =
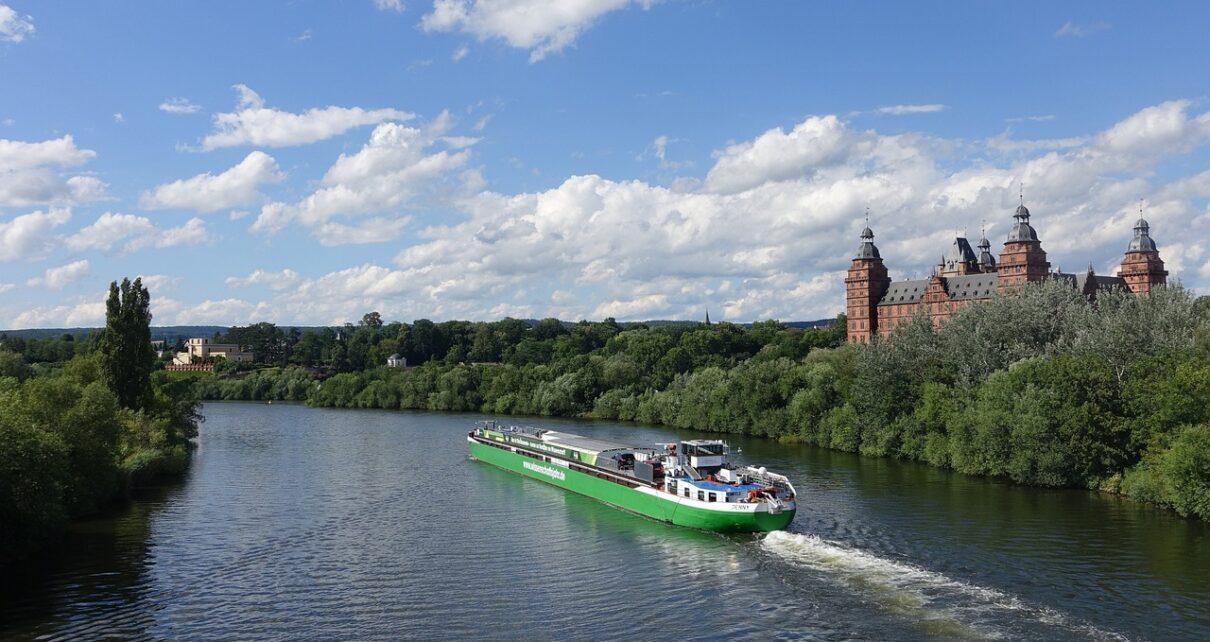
<point x="168" y="332"/>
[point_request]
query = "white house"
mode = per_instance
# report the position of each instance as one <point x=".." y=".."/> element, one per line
<point x="396" y="361"/>
<point x="200" y="350"/>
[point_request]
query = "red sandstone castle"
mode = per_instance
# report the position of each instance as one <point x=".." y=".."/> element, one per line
<point x="875" y="305"/>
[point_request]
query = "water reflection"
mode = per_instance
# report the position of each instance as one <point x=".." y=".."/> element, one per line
<point x="96" y="582"/>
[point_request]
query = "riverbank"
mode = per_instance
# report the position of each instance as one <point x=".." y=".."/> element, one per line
<point x="69" y="451"/>
<point x="1039" y="389"/>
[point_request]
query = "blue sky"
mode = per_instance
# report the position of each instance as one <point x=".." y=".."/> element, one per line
<point x="305" y="162"/>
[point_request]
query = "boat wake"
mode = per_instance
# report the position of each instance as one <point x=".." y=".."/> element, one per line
<point x="941" y="605"/>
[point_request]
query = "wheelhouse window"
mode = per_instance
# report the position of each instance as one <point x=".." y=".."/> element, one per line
<point x="701" y="496"/>
<point x="704" y="450"/>
<point x="712" y="496"/>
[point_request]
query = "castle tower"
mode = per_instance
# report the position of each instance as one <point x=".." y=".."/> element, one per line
<point x="987" y="261"/>
<point x="866" y="283"/>
<point x="1023" y="260"/>
<point x="1142" y="267"/>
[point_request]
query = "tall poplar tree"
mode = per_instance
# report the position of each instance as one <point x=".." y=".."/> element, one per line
<point x="126" y="353"/>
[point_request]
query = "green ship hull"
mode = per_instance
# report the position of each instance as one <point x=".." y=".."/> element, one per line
<point x="642" y="501"/>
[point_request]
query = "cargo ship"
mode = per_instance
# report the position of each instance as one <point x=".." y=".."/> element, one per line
<point x="687" y="483"/>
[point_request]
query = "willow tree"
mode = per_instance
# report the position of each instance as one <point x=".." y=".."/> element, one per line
<point x="126" y="353"/>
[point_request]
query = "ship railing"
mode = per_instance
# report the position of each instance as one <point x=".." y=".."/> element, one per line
<point x="779" y="482"/>
<point x="495" y="425"/>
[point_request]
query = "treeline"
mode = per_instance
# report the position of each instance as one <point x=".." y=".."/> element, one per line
<point x="548" y="368"/>
<point x="369" y="343"/>
<point x="76" y="435"/>
<point x="1043" y="388"/>
<point x="46" y="350"/>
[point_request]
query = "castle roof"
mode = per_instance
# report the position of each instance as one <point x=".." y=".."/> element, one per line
<point x="867" y="249"/>
<point x="1142" y="241"/>
<point x="960" y="288"/>
<point x="904" y="292"/>
<point x="971" y="286"/>
<point x="1022" y="230"/>
<point x="961" y="252"/>
<point x="1088" y="282"/>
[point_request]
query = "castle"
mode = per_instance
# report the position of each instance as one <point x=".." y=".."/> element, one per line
<point x="875" y="304"/>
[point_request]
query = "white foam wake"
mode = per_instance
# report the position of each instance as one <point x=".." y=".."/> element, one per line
<point x="943" y="605"/>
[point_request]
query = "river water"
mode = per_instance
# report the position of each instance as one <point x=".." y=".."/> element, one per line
<point x="342" y="524"/>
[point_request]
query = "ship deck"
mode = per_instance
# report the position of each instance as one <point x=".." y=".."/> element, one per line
<point x="590" y="444"/>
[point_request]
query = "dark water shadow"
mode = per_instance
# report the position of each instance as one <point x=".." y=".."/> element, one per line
<point x="100" y="566"/>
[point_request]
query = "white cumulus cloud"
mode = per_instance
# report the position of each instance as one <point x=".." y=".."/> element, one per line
<point x="84" y="313"/>
<point x="60" y="277"/>
<point x="398" y="166"/>
<point x="280" y="280"/>
<point x="34" y="173"/>
<point x="540" y="26"/>
<point x="772" y="227"/>
<point x="159" y="282"/>
<point x="255" y="124"/>
<point x="208" y="192"/>
<point x="125" y="233"/>
<point x="14" y="27"/>
<point x="30" y="236"/>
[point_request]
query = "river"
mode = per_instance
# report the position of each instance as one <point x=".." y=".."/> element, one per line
<point x="344" y="524"/>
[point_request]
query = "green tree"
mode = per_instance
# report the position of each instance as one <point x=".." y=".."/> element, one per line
<point x="33" y="473"/>
<point x="12" y="365"/>
<point x="372" y="320"/>
<point x="126" y="353"/>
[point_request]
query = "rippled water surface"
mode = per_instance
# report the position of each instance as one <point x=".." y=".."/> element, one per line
<point x="338" y="524"/>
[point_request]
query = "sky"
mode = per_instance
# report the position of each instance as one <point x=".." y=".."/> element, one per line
<point x="305" y="162"/>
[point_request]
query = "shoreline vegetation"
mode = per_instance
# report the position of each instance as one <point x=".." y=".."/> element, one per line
<point x="77" y="432"/>
<point x="1042" y="389"/>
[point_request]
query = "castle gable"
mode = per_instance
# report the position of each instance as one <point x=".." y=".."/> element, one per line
<point x="960" y="259"/>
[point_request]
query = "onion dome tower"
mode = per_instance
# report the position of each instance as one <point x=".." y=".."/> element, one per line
<point x="865" y="285"/>
<point x="1142" y="268"/>
<point x="1023" y="260"/>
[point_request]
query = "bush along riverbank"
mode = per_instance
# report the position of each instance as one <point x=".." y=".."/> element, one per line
<point x="1043" y="388"/>
<point x="75" y="436"/>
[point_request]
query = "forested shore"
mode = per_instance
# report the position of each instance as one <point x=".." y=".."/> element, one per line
<point x="80" y="425"/>
<point x="1042" y="389"/>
